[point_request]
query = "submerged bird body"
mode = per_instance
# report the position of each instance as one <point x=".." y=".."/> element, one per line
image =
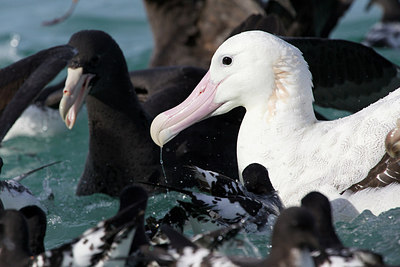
<point x="271" y="79"/>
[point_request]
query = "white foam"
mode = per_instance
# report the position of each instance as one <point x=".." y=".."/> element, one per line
<point x="37" y="121"/>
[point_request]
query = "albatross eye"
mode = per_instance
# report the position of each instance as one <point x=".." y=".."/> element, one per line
<point x="94" y="61"/>
<point x="227" y="60"/>
<point x="74" y="63"/>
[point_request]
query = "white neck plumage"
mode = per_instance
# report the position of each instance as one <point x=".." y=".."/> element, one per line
<point x="288" y="109"/>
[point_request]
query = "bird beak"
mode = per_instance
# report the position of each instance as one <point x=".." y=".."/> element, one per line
<point x="198" y="106"/>
<point x="74" y="93"/>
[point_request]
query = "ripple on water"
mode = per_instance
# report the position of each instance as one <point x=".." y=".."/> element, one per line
<point x="377" y="233"/>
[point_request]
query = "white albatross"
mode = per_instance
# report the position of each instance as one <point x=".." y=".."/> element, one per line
<point x="271" y="79"/>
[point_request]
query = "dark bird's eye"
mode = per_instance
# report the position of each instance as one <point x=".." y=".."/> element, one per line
<point x="94" y="60"/>
<point x="227" y="61"/>
<point x="74" y="63"/>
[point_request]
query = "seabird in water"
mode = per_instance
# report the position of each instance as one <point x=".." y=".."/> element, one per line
<point x="226" y="201"/>
<point x="331" y="251"/>
<point x="107" y="243"/>
<point x="271" y="79"/>
<point x="188" y="32"/>
<point x="110" y="144"/>
<point x="120" y="146"/>
<point x="293" y="238"/>
<point x="14" y="195"/>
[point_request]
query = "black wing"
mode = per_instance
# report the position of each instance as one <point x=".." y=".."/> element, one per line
<point x="22" y="81"/>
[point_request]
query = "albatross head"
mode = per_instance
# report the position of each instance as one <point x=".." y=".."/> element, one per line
<point x="250" y="69"/>
<point x="95" y="70"/>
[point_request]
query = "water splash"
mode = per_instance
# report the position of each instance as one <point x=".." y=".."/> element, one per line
<point x="9" y="50"/>
<point x="47" y="193"/>
<point x="243" y="245"/>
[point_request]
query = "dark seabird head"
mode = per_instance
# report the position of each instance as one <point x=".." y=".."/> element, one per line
<point x="98" y="67"/>
<point x="293" y="237"/>
<point x="37" y="225"/>
<point x="256" y="179"/>
<point x="320" y="207"/>
<point x="14" y="239"/>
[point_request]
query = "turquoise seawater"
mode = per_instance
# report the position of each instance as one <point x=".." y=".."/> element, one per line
<point x="21" y="34"/>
